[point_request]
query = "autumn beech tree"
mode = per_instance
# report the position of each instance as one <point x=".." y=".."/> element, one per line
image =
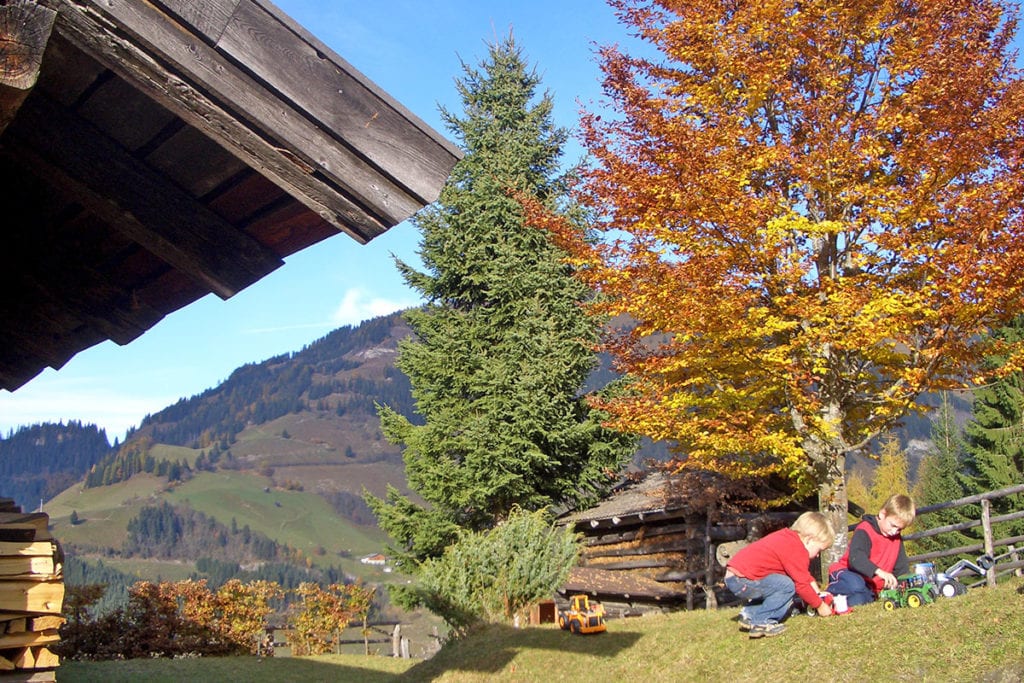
<point x="811" y="210"/>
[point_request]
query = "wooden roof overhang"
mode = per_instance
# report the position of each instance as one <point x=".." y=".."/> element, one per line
<point x="152" y="152"/>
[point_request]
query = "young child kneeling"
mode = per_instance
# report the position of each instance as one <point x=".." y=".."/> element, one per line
<point x="770" y="571"/>
<point x="876" y="555"/>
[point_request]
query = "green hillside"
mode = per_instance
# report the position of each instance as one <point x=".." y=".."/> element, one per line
<point x="104" y="511"/>
<point x="299" y="519"/>
<point x="296" y="518"/>
<point x="284" y="448"/>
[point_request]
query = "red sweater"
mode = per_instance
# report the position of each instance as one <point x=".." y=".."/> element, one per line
<point x="780" y="552"/>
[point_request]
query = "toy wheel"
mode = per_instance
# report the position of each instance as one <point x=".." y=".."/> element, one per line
<point x="889" y="605"/>
<point x="562" y="623"/>
<point x="951" y="589"/>
<point x="914" y="600"/>
<point x="574" y="626"/>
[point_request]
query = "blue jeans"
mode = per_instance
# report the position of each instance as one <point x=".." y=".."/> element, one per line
<point x="772" y="595"/>
<point x="851" y="584"/>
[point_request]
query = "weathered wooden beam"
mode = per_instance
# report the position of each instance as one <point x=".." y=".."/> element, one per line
<point x="678" y="575"/>
<point x="210" y="92"/>
<point x="632" y="564"/>
<point x="30" y="676"/>
<point x="723" y="532"/>
<point x="29" y="639"/>
<point x="40" y="568"/>
<point x="210" y="19"/>
<point x="25" y="27"/>
<point x="275" y="49"/>
<point x="43" y="597"/>
<point x="677" y="545"/>
<point x="34" y="525"/>
<point x="337" y="96"/>
<point x="140" y="204"/>
<point x="45" y="623"/>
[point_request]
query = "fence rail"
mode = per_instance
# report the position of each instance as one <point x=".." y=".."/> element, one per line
<point x="989" y="541"/>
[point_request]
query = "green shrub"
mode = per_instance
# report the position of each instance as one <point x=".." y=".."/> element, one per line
<point x="493" y="575"/>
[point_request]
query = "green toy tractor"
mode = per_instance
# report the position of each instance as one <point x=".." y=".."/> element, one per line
<point x="912" y="590"/>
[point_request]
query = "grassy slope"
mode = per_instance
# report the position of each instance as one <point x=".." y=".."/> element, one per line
<point x="974" y="637"/>
<point x="104" y="510"/>
<point x="301" y="519"/>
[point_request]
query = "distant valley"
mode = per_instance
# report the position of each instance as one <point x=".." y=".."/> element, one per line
<point x="282" y="450"/>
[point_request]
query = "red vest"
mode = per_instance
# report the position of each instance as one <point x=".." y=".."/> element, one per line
<point x="884" y="553"/>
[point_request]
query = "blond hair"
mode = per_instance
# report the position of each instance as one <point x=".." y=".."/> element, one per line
<point x="901" y="506"/>
<point x="814" y="526"/>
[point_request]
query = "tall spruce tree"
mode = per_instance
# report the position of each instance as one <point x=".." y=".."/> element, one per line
<point x="502" y="346"/>
<point x="939" y="480"/>
<point x="995" y="435"/>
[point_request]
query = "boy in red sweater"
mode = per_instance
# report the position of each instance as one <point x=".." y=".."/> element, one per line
<point x="875" y="556"/>
<point x="770" y="571"/>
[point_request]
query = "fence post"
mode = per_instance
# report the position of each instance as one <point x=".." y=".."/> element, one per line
<point x="986" y="527"/>
<point x="396" y="638"/>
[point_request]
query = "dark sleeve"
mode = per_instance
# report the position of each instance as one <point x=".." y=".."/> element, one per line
<point x="860" y="551"/>
<point x="902" y="561"/>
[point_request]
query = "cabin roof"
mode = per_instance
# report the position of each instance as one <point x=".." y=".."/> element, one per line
<point x="649" y="498"/>
<point x="153" y="153"/>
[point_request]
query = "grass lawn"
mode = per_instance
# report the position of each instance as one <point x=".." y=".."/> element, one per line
<point x="979" y="636"/>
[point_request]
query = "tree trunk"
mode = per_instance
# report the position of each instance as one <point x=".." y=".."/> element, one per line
<point x="833" y="503"/>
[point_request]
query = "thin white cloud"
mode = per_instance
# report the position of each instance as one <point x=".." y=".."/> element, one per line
<point x="357" y="306"/>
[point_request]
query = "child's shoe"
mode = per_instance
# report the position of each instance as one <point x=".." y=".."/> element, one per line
<point x="766" y="630"/>
<point x="745" y="622"/>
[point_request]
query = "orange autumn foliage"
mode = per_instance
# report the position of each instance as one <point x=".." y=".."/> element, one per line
<point x="812" y="211"/>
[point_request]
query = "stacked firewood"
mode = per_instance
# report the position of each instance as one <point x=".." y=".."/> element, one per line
<point x="31" y="596"/>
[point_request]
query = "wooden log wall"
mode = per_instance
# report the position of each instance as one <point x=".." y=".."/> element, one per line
<point x="31" y="596"/>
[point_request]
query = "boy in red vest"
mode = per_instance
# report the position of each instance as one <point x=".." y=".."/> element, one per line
<point x="770" y="571"/>
<point x="875" y="556"/>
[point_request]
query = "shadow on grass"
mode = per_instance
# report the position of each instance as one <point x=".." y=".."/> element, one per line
<point x="221" y="670"/>
<point x="488" y="652"/>
<point x="494" y="647"/>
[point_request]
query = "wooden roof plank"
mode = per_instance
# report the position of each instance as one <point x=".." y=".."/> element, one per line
<point x="141" y="204"/>
<point x="209" y="18"/>
<point x="335" y="94"/>
<point x="213" y="94"/>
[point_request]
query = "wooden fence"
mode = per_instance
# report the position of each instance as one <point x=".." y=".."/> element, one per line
<point x="1007" y="561"/>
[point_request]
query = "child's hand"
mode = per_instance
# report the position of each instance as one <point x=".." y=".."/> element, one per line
<point x="824" y="609"/>
<point x="889" y="579"/>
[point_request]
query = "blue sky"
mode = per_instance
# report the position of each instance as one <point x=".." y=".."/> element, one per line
<point x="414" y="51"/>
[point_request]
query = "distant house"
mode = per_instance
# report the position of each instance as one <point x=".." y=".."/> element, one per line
<point x="375" y="559"/>
<point x="653" y="546"/>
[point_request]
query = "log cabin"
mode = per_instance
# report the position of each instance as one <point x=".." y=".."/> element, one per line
<point x="654" y="546"/>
